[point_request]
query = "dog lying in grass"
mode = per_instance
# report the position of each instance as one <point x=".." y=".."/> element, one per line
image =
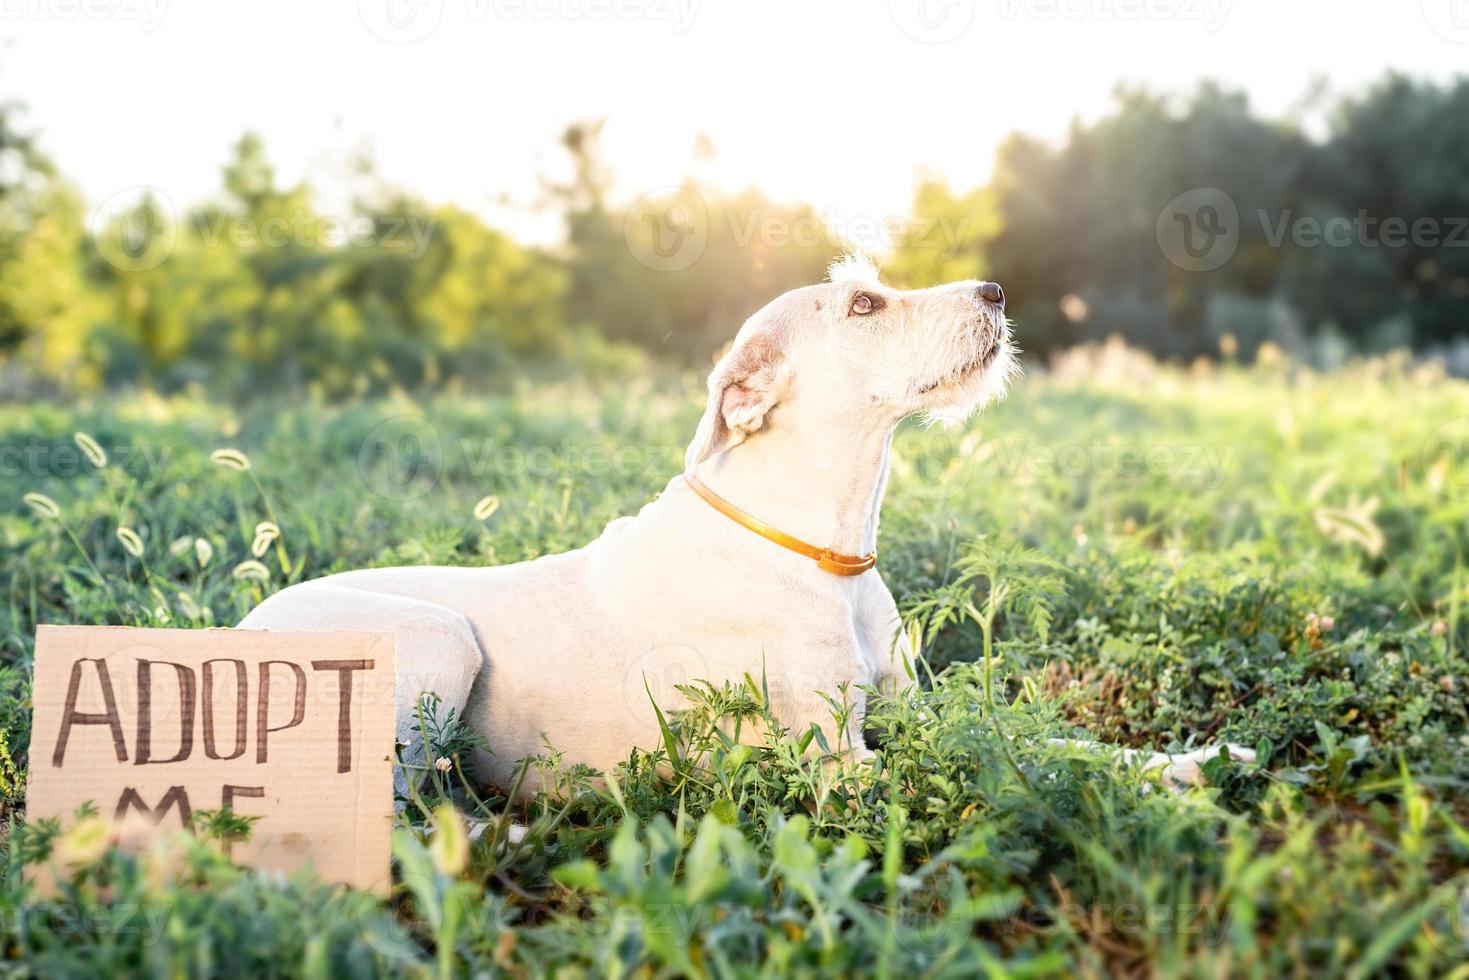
<point x="757" y="561"/>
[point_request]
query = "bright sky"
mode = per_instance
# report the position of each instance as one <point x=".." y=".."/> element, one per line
<point x="842" y="104"/>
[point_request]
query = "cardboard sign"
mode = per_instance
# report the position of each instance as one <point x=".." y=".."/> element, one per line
<point x="295" y="728"/>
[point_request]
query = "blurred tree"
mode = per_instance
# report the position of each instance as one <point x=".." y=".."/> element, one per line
<point x="1394" y="176"/>
<point x="1360" y="236"/>
<point x="945" y="238"/>
<point x="1071" y="232"/>
<point x="259" y="289"/>
<point x="46" y="309"/>
<point x="680" y="269"/>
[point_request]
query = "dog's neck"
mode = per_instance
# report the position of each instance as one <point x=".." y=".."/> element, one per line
<point x="826" y="491"/>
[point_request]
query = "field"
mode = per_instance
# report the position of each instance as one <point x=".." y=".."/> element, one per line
<point x="1147" y="555"/>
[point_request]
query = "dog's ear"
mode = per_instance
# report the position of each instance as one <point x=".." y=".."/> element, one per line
<point x="743" y="387"/>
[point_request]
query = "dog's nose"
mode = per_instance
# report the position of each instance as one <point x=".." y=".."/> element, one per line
<point x="992" y="293"/>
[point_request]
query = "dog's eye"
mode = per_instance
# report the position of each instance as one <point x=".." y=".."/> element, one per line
<point x="862" y="304"/>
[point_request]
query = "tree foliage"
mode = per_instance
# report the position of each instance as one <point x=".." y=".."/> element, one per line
<point x="1357" y="237"/>
<point x="1071" y="231"/>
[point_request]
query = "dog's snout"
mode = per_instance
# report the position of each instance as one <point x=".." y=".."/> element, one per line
<point x="991" y="292"/>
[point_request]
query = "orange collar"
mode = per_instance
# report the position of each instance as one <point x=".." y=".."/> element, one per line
<point x="825" y="558"/>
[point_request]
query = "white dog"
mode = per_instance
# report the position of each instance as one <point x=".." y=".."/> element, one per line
<point x="756" y="560"/>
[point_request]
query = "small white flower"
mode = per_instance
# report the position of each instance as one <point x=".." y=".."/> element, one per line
<point x="265" y="534"/>
<point x="43" y="505"/>
<point x="188" y="606"/>
<point x="251" y="569"/>
<point x="486" y="507"/>
<point x="91" y="449"/>
<point x="231" y="459"/>
<point x="442" y="764"/>
<point x="180" y="545"/>
<point x="203" y="551"/>
<point x="130" y="541"/>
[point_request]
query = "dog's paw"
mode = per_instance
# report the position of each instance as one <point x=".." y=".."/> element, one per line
<point x="1180" y="772"/>
<point x="514" y="834"/>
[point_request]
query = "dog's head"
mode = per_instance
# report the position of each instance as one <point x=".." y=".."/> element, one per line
<point x="853" y="353"/>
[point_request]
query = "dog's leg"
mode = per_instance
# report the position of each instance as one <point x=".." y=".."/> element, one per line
<point x="843" y="735"/>
<point x="436" y="650"/>
<point x="886" y="646"/>
<point x="1177" y="772"/>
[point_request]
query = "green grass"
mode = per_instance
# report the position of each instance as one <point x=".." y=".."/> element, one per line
<point x="1147" y="554"/>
